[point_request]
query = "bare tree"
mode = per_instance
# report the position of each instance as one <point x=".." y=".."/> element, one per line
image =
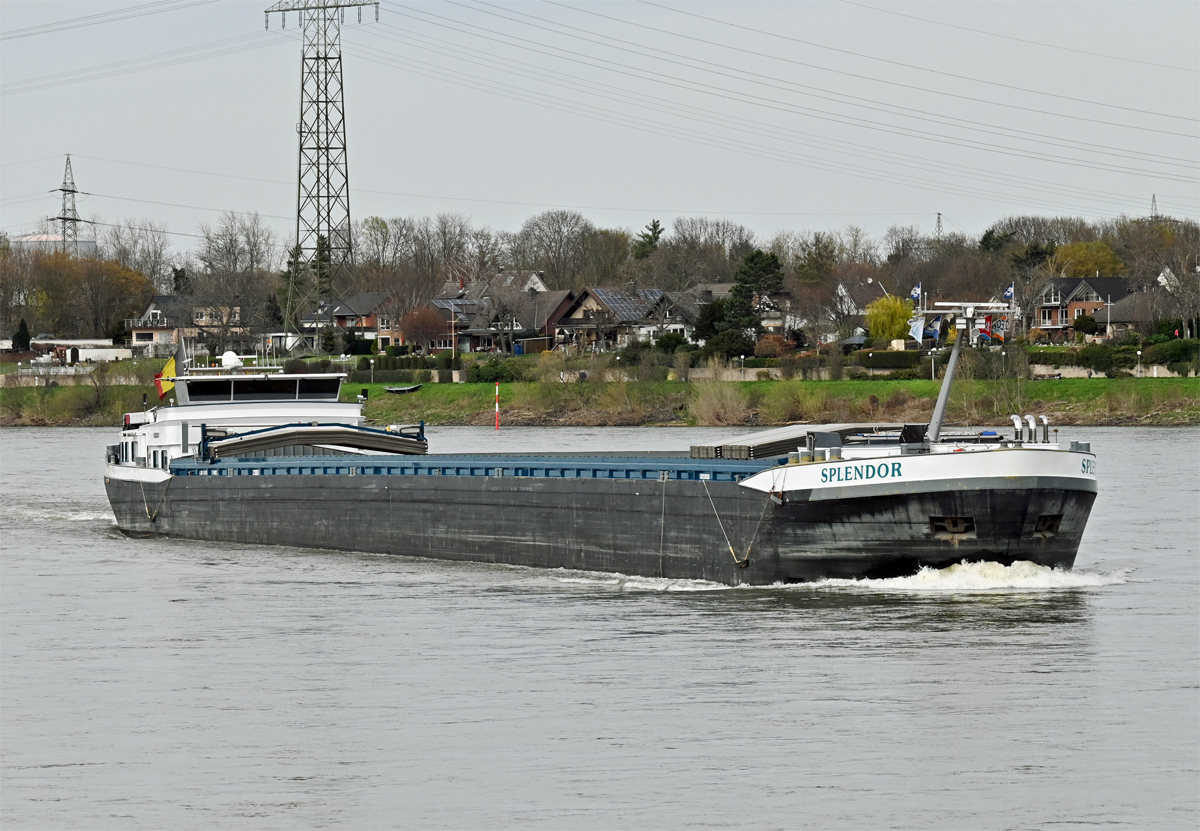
<point x="140" y="245"/>
<point x="238" y="242"/>
<point x="556" y="239"/>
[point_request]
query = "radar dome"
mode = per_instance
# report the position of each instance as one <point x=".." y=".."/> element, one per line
<point x="230" y="360"/>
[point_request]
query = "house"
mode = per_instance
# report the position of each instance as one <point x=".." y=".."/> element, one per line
<point x="168" y="318"/>
<point x="483" y="315"/>
<point x="362" y="313"/>
<point x="848" y="311"/>
<point x="605" y="318"/>
<point x="1060" y="300"/>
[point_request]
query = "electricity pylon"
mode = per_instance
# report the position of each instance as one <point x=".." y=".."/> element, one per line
<point x="323" y="185"/>
<point x="68" y="216"/>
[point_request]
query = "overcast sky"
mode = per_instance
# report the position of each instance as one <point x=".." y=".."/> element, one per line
<point x="804" y="115"/>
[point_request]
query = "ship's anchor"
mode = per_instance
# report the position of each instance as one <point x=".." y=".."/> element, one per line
<point x="745" y="561"/>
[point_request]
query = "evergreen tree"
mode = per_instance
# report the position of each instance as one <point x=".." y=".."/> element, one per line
<point x="819" y="259"/>
<point x="20" y="340"/>
<point x="711" y="319"/>
<point x="180" y="281"/>
<point x="272" y="313"/>
<point x="646" y="243"/>
<point x="759" y="275"/>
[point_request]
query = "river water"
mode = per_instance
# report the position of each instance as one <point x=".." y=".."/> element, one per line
<point x="155" y="684"/>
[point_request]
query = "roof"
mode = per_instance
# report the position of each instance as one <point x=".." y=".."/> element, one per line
<point x="628" y="306"/>
<point x="1105" y="287"/>
<point x="356" y="305"/>
<point x="862" y="294"/>
<point x="711" y="291"/>
<point x="1137" y="307"/>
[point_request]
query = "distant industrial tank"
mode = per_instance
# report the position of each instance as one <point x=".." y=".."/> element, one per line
<point x="50" y="243"/>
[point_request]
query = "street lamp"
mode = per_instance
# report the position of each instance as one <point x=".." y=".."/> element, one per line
<point x="372" y="362"/>
<point x="1139" y="363"/>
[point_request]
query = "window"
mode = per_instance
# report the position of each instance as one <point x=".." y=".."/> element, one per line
<point x="236" y="315"/>
<point x="1078" y="312"/>
<point x="1047" y="317"/>
<point x="1052" y="295"/>
<point x="442" y="343"/>
<point x="385" y="323"/>
<point x="143" y="337"/>
<point x="201" y="315"/>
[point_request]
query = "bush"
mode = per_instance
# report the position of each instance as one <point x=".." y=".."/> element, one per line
<point x="490" y="373"/>
<point x="729" y="344"/>
<point x="772" y="346"/>
<point x="387" y="376"/>
<point x="1172" y="351"/>
<point x="1096" y="357"/>
<point x="670" y="342"/>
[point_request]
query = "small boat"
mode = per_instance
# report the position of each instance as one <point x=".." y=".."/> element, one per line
<point x="277" y="459"/>
<point x="402" y="390"/>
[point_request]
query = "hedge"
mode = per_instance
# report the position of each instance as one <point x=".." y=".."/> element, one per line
<point x="884" y="359"/>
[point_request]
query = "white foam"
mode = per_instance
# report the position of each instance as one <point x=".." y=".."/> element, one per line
<point x="985" y="577"/>
<point x="623" y="582"/>
<point x="55" y="514"/>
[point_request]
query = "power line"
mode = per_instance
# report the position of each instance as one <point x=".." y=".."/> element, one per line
<point x="891" y="109"/>
<point x="173" y="57"/>
<point x="102" y="17"/>
<point x="28" y="161"/>
<point x="663" y="106"/>
<point x="1020" y="40"/>
<point x="913" y="66"/>
<point x="739" y="147"/>
<point x="1051" y="113"/>
<point x="489" y="201"/>
<point x="768" y="103"/>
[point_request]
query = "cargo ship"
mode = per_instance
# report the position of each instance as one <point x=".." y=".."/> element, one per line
<point x="249" y="456"/>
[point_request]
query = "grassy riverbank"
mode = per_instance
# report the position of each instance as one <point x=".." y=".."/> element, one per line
<point x="1095" y="401"/>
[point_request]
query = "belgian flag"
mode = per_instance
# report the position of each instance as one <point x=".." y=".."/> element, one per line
<point x="174" y="367"/>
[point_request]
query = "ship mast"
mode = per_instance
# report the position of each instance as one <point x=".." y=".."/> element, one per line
<point x="963" y="315"/>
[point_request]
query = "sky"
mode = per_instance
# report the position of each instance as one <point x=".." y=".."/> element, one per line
<point x="779" y="116"/>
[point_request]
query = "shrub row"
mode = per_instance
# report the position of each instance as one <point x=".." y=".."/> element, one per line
<point x="393" y="376"/>
<point x="886" y="360"/>
<point x="395" y="362"/>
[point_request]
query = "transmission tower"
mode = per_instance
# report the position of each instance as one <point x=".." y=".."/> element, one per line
<point x="68" y="215"/>
<point x="323" y="184"/>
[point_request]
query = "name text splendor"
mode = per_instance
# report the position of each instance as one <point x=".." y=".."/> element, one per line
<point x="856" y="473"/>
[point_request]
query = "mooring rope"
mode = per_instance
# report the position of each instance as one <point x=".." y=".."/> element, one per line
<point x="721" y="525"/>
<point x="662" y="527"/>
<point x="153" y="517"/>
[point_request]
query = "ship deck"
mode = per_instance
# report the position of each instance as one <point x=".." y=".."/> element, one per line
<point x="654" y="466"/>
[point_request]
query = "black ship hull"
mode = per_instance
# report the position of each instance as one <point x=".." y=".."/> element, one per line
<point x="706" y="530"/>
